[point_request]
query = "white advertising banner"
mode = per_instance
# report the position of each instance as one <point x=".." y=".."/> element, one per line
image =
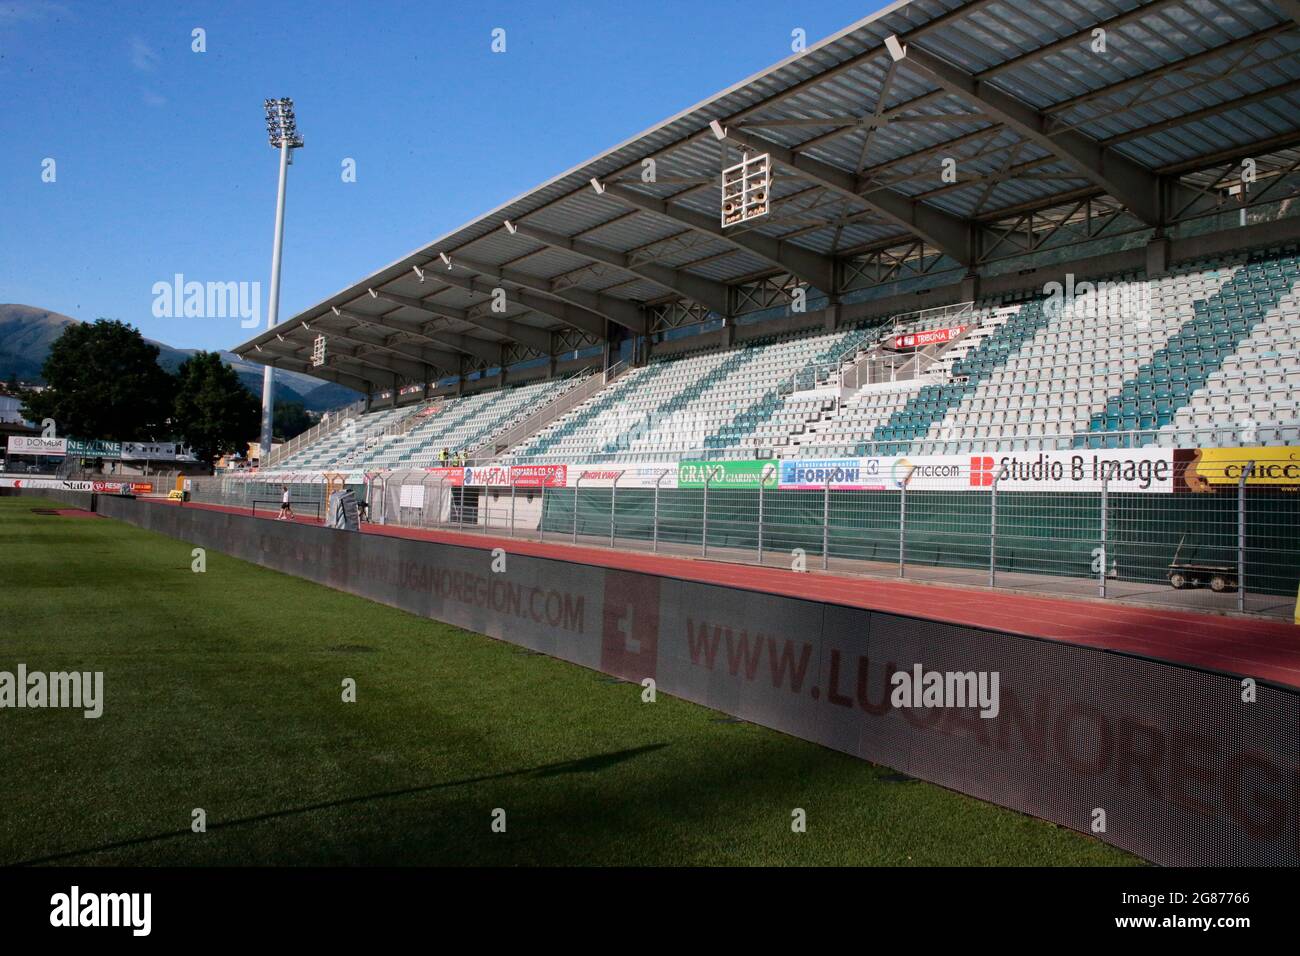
<point x="1148" y="470"/>
<point x="1139" y="469"/>
<point x="627" y="476"/>
<point x="103" y="487"/>
<point x="488" y="476"/>
<point x="35" y="445"/>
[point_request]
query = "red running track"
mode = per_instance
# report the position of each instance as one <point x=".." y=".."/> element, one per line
<point x="1244" y="646"/>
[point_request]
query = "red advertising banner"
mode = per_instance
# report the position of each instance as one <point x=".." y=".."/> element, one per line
<point x="917" y="340"/>
<point x="539" y="476"/>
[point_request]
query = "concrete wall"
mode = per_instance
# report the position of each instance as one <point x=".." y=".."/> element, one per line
<point x="1185" y="773"/>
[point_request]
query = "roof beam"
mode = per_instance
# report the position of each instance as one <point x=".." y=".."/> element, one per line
<point x="1131" y="183"/>
<point x="290" y="350"/>
<point x="525" y="335"/>
<point x="353" y="358"/>
<point x="337" y="376"/>
<point x="477" y="348"/>
<point x="712" y="295"/>
<point x="1292" y="9"/>
<point x="1080" y="37"/>
<point x="810" y="267"/>
<point x="1148" y="77"/>
<point x="413" y="371"/>
<point x="592" y="308"/>
<point x="941" y="230"/>
<point x="436" y="358"/>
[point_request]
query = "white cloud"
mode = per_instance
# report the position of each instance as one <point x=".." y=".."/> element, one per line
<point x="143" y="57"/>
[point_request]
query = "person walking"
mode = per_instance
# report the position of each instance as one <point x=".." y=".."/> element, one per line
<point x="286" y="509"/>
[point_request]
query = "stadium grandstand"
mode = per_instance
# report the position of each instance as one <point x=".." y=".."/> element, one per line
<point x="956" y="353"/>
<point x="954" y="233"/>
<point x="937" y="154"/>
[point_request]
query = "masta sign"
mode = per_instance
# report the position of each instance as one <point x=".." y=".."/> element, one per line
<point x="489" y="476"/>
<point x="727" y="474"/>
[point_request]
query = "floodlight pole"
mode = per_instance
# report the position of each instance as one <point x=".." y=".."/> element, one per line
<point x="273" y="305"/>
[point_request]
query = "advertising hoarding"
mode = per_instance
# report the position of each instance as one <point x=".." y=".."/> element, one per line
<point x="728" y="474"/>
<point x="35" y="445"/>
<point x="918" y="340"/>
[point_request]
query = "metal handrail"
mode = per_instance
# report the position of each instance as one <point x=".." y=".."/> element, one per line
<point x="584" y="386"/>
<point x="317" y="431"/>
<point x="1135" y="438"/>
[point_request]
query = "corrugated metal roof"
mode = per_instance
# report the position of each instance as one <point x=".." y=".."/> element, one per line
<point x="1021" y="94"/>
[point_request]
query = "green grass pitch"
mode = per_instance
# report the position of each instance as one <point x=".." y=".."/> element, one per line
<point x="223" y="692"/>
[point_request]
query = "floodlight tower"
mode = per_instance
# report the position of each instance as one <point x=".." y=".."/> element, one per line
<point x="282" y="131"/>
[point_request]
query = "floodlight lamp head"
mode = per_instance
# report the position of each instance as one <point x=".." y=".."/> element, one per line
<point x="281" y="125"/>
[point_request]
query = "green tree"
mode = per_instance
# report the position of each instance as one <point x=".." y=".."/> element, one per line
<point x="291" y="420"/>
<point x="104" y="382"/>
<point x="214" y="414"/>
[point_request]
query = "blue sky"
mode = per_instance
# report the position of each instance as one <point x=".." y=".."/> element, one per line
<point x="160" y="154"/>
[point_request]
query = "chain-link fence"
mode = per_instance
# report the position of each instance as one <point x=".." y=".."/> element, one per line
<point x="1221" y="535"/>
<point x="307" y="493"/>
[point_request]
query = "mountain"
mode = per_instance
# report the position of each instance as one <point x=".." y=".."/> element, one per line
<point x="26" y="334"/>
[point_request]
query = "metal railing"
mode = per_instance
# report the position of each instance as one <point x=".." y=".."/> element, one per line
<point x="1109" y="530"/>
<point x="866" y="370"/>
<point x="307" y="493"/>
<point x="805" y="445"/>
<point x="1225" y="537"/>
<point x="939" y="316"/>
<point x="586" y="386"/>
<point x="335" y="421"/>
<point x="865" y="363"/>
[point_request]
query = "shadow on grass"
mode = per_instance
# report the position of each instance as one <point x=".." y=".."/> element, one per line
<point x="593" y="764"/>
